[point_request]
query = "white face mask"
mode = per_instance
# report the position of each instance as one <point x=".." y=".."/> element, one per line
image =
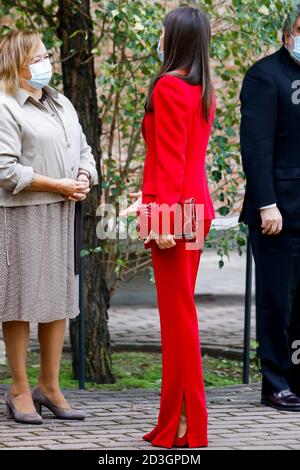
<point x="41" y="73"/>
<point x="295" y="52"/>
<point x="159" y="52"/>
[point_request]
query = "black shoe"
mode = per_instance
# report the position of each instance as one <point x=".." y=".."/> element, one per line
<point x="283" y="400"/>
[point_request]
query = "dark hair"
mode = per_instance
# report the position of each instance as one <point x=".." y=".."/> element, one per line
<point x="290" y="20"/>
<point x="186" y="46"/>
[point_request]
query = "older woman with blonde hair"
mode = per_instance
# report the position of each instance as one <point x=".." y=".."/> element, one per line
<point x="46" y="166"/>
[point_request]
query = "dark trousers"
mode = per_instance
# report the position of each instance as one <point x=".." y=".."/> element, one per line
<point x="277" y="269"/>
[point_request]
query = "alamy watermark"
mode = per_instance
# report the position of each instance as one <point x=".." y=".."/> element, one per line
<point x="171" y="219"/>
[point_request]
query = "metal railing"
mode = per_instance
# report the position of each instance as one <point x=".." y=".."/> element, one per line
<point x="247" y="314"/>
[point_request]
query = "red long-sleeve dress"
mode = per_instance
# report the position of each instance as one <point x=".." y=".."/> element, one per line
<point x="176" y="136"/>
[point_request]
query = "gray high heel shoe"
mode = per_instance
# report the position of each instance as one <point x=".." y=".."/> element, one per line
<point x="40" y="399"/>
<point x="24" y="418"/>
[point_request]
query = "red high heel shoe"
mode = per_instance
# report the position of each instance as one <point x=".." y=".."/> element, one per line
<point x="181" y="441"/>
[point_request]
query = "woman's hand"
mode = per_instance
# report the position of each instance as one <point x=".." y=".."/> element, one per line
<point x="132" y="209"/>
<point x="73" y="190"/>
<point x="163" y="242"/>
<point x="80" y="196"/>
<point x="83" y="177"/>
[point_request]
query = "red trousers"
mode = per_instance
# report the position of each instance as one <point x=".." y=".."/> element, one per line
<point x="175" y="272"/>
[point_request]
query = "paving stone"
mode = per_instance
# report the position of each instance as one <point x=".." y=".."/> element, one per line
<point x="232" y="425"/>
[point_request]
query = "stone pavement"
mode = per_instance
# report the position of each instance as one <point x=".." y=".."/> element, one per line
<point x="134" y="320"/>
<point x="137" y="328"/>
<point x="118" y="420"/>
<point x="221" y="321"/>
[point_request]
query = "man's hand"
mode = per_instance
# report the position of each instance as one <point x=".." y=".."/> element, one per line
<point x="271" y="221"/>
<point x="163" y="242"/>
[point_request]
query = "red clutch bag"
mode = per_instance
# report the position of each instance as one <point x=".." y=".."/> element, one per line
<point x="183" y="219"/>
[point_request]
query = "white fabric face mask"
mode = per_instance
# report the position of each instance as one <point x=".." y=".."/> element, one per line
<point x="41" y="73"/>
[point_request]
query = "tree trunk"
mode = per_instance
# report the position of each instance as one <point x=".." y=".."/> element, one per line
<point x="76" y="33"/>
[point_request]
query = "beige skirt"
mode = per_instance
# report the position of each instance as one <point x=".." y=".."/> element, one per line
<point x="37" y="278"/>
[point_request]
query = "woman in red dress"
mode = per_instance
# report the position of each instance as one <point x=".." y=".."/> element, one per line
<point x="176" y="127"/>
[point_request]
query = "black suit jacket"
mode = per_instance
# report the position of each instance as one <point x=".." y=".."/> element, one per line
<point x="270" y="138"/>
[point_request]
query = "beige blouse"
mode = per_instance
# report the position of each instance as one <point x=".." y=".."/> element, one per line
<point x="33" y="141"/>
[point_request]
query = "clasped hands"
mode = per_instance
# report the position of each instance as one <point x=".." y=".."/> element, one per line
<point x="74" y="190"/>
<point x="165" y="241"/>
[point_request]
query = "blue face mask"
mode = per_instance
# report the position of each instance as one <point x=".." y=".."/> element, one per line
<point x="160" y="53"/>
<point x="295" y="52"/>
<point x="41" y="73"/>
